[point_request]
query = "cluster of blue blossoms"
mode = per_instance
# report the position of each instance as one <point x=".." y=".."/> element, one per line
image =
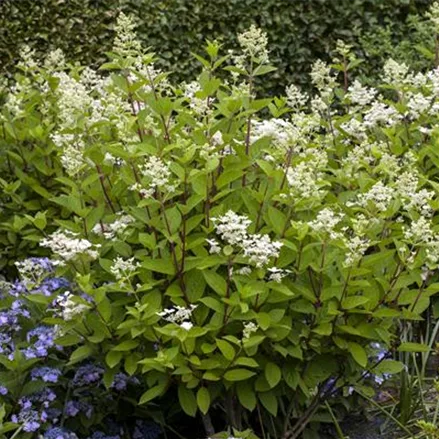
<point x="61" y="394"/>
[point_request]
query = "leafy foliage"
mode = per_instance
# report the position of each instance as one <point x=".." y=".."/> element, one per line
<point x="299" y="32"/>
<point x="233" y="264"/>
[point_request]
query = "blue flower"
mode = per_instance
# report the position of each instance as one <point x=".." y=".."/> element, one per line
<point x="87" y="374"/>
<point x="59" y="433"/>
<point x="31" y="420"/>
<point x="51" y="285"/>
<point x="121" y="381"/>
<point x="44" y="341"/>
<point x="3" y="390"/>
<point x="74" y="407"/>
<point x="47" y="374"/>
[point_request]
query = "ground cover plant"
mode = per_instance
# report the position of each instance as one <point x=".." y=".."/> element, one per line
<point x="200" y="251"/>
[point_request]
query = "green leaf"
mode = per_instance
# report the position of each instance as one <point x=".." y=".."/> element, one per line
<point x="354" y="302"/>
<point x="216" y="282"/>
<point x="203" y="399"/>
<point x="187" y="400"/>
<point x="246" y="395"/>
<point x="269" y="401"/>
<point x="226" y="349"/>
<point x="413" y="347"/>
<point x="127" y="345"/>
<point x="165" y="266"/>
<point x="113" y="358"/>
<point x="389" y="366"/>
<point x="273" y="374"/>
<point x="238" y="375"/>
<point x="358" y="353"/>
<point x="80" y="354"/>
<point x="152" y="393"/>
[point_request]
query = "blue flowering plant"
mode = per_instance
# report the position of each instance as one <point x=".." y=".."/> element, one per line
<point x="44" y="393"/>
<point x="213" y="254"/>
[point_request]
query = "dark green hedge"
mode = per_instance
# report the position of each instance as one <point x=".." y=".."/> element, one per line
<point x="299" y="30"/>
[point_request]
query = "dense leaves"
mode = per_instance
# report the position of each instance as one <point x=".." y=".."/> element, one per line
<point x="298" y="31"/>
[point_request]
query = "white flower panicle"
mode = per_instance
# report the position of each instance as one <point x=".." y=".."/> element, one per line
<point x="394" y="72"/>
<point x="326" y="223"/>
<point x="123" y="269"/>
<point x="254" y="43"/>
<point x="126" y="42"/>
<point x="379" y="195"/>
<point x="277" y="274"/>
<point x="249" y="329"/>
<point x="158" y="175"/>
<point x="380" y="113"/>
<point x="295" y="97"/>
<point x="356" y="247"/>
<point x="433" y="15"/>
<point x="360" y="95"/>
<point x="420" y="231"/>
<point x="306" y="178"/>
<point x="260" y="249"/>
<point x="232" y="227"/>
<point x="214" y="246"/>
<point x="321" y="77"/>
<point x="117" y="227"/>
<point x="178" y="315"/>
<point x="70" y="308"/>
<point x="67" y="246"/>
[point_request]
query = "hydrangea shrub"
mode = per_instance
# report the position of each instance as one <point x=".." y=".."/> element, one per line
<point x="226" y="256"/>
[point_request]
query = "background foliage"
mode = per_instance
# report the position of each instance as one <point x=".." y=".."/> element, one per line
<point x="298" y="31"/>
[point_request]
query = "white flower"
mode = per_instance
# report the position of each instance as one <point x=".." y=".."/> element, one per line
<point x="356" y="248"/>
<point x="326" y="222"/>
<point x="305" y="179"/>
<point x="126" y="42"/>
<point x="72" y="160"/>
<point x="109" y="231"/>
<point x="433" y="15"/>
<point x="417" y="104"/>
<point x="232" y="227"/>
<point x="70" y="308"/>
<point x="295" y="97"/>
<point x="244" y="271"/>
<point x="217" y="139"/>
<point x="395" y="73"/>
<point x="249" y="329"/>
<point x="214" y="246"/>
<point x="321" y="75"/>
<point x="67" y="246"/>
<point x="186" y="325"/>
<point x="253" y="43"/>
<point x="420" y="231"/>
<point x="379" y="195"/>
<point x="177" y="314"/>
<point x="277" y="274"/>
<point x="361" y="95"/>
<point x="124" y="268"/>
<point x="380" y="113"/>
<point x="158" y="174"/>
<point x="260" y="249"/>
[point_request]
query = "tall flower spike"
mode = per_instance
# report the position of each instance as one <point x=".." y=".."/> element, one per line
<point x="254" y="44"/>
<point x="126" y="42"/>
